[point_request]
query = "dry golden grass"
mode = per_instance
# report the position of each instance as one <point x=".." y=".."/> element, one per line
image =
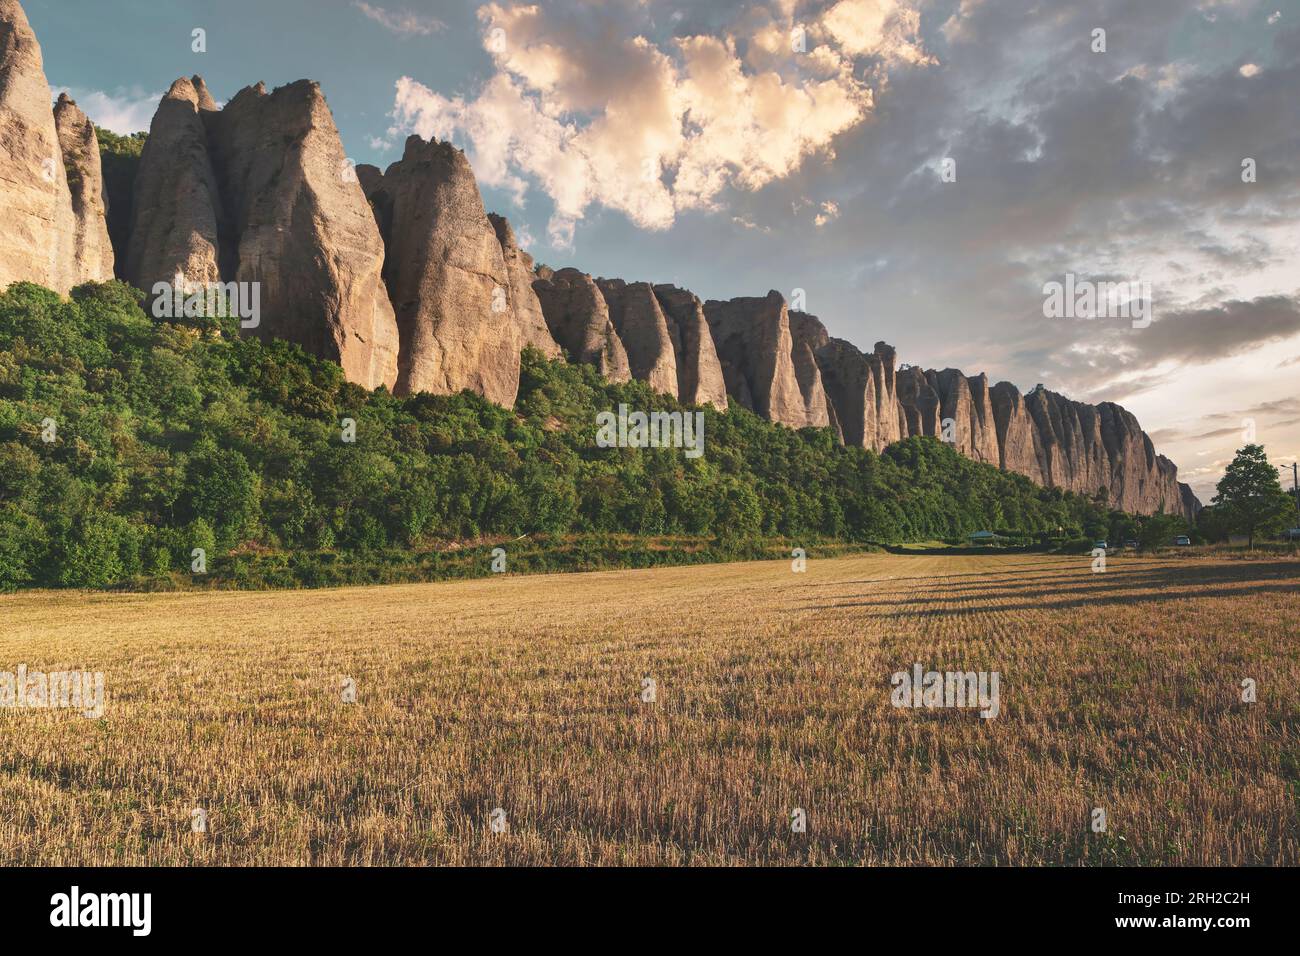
<point x="1119" y="690"/>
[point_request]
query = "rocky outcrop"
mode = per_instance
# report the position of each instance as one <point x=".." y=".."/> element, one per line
<point x="643" y="330"/>
<point x="848" y="380"/>
<point x="294" y="219"/>
<point x="1053" y="441"/>
<point x="92" y="249"/>
<point x="699" y="373"/>
<point x="578" y="318"/>
<point x="447" y="277"/>
<point x="756" y="350"/>
<point x="1019" y="446"/>
<point x="37" y="224"/>
<point x="1086" y="449"/>
<point x="175" y="199"/>
<point x="807" y="334"/>
<point x="919" y="403"/>
<point x="1091" y="448"/>
<point x="261" y="192"/>
<point x="402" y="278"/>
<point x="525" y="308"/>
<point x="884" y="377"/>
<point x="966" y="414"/>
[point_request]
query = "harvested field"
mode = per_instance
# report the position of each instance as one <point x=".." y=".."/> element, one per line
<point x="1119" y="691"/>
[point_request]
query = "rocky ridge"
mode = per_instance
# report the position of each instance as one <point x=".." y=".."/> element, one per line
<point x="405" y="280"/>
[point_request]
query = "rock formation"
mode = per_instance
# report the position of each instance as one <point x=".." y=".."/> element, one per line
<point x="525" y="308"/>
<point x="699" y="373"/>
<point x="807" y="334"/>
<point x="294" y="218"/>
<point x="92" y="249"/>
<point x="966" y="414"/>
<point x="579" y="321"/>
<point x="918" y="401"/>
<point x="37" y="223"/>
<point x="1087" y="448"/>
<point x="447" y="277"/>
<point x="643" y="330"/>
<point x="850" y="387"/>
<point x="261" y="192"/>
<point x="1053" y="441"/>
<point x="1019" y="445"/>
<point x="756" y="350"/>
<point x="884" y="377"/>
<point x="174" y="219"/>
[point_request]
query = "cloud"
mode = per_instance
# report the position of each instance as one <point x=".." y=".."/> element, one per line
<point x="123" y="111"/>
<point x="876" y="27"/>
<point x="591" y="112"/>
<point x="1285" y="406"/>
<point x="403" y="23"/>
<point x="1207" y="335"/>
<point x="827" y="211"/>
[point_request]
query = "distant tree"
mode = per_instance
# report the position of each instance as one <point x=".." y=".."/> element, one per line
<point x="1250" y="499"/>
<point x="1158" y="529"/>
<point x="1123" y="527"/>
<point x="1211" y="523"/>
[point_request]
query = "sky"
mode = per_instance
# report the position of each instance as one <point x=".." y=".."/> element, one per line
<point x="914" y="171"/>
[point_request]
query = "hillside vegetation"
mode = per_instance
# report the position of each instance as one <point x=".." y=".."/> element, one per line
<point x="127" y="443"/>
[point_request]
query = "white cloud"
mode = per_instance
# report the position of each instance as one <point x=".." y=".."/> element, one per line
<point x="123" y="112"/>
<point x="956" y="28"/>
<point x="827" y="211"/>
<point x="592" y="117"/>
<point x="403" y="23"/>
<point x="876" y="27"/>
<point x="524" y="237"/>
<point x="1248" y="70"/>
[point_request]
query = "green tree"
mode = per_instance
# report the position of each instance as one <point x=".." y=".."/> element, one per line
<point x="1158" y="529"/>
<point x="1250" y="498"/>
<point x="221" y="488"/>
<point x="102" y="550"/>
<point x="1212" y="524"/>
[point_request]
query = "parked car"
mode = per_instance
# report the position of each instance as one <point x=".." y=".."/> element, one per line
<point x="1291" y="534"/>
<point x="1100" y="544"/>
<point x="1182" y="541"/>
<point x="1130" y="543"/>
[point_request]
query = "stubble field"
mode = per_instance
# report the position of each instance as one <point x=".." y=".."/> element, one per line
<point x="1119" y="692"/>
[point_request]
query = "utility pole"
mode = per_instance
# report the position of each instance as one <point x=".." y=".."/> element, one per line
<point x="1295" y="490"/>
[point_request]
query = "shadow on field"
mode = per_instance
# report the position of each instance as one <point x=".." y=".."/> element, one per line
<point x="1003" y="592"/>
